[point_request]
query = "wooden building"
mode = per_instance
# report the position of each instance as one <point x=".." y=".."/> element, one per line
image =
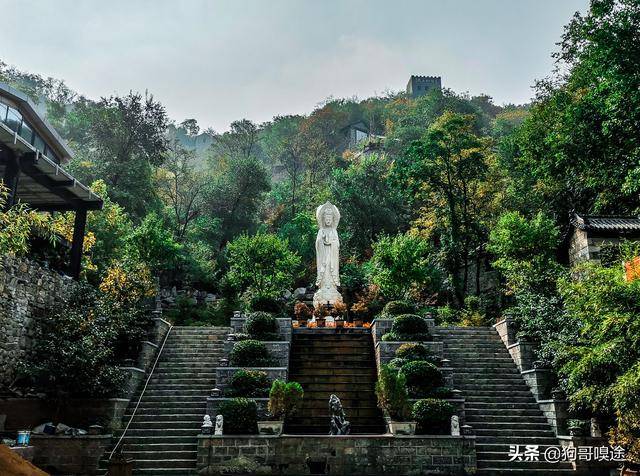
<point x="32" y="156"/>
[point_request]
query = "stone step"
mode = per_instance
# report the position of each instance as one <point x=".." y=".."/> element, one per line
<point x="318" y="358"/>
<point x="500" y="418"/>
<point x="503" y="448"/>
<point x="505" y="394"/>
<point x="513" y="424"/>
<point x="337" y="387"/>
<point x="160" y="447"/>
<point x="167" y="417"/>
<point x="477" y="367"/>
<point x="191" y="471"/>
<point x="179" y="362"/>
<point x="499" y="405"/>
<point x="160" y="424"/>
<point x="514" y="440"/>
<point x="202" y="393"/>
<point x="353" y="414"/>
<point x="491" y="471"/>
<point x="488" y="383"/>
<point x="192" y="366"/>
<point x="158" y="409"/>
<point x="346" y="396"/>
<point x="195" y="376"/>
<point x="301" y="366"/>
<point x="162" y="432"/>
<point x="338" y="372"/>
<point x="496" y="412"/>
<point x="213" y="330"/>
<point x="158" y="439"/>
<point x="487" y="372"/>
<point x="180" y="398"/>
<point x="337" y="379"/>
<point x="471" y="399"/>
<point x="164" y="454"/>
<point x="190" y="355"/>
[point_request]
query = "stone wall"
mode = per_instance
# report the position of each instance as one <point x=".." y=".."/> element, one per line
<point x="27" y="290"/>
<point x="339" y="455"/>
<point x="26" y="413"/>
<point x="69" y="455"/>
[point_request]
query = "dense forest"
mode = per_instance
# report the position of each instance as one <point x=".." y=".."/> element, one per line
<point x="447" y="184"/>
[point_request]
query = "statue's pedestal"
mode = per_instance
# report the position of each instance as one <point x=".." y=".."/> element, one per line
<point x="324" y="296"/>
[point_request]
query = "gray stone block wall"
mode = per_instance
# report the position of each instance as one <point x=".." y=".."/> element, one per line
<point x="363" y="455"/>
<point x="27" y="292"/>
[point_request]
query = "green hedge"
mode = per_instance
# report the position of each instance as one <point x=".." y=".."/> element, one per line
<point x="422" y="378"/>
<point x="250" y="353"/>
<point x="396" y="308"/>
<point x="240" y="416"/>
<point x="409" y="327"/>
<point x="261" y="325"/>
<point x="433" y="416"/>
<point x="248" y="383"/>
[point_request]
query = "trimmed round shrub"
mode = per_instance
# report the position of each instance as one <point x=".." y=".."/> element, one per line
<point x="250" y="353"/>
<point x="249" y="383"/>
<point x="408" y="327"/>
<point x="433" y="416"/>
<point x="261" y="326"/>
<point x="240" y="416"/>
<point x="396" y="308"/>
<point x="261" y="303"/>
<point x="422" y="378"/>
<point x="412" y="351"/>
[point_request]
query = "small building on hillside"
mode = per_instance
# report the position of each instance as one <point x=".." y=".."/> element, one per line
<point x="421" y="85"/>
<point x="589" y="233"/>
<point x="31" y="158"/>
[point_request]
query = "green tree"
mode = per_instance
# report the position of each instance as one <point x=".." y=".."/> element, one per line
<point x="445" y="174"/>
<point x="371" y="205"/>
<point x="121" y="140"/>
<point x="261" y="264"/>
<point x="403" y="267"/>
<point x="601" y="366"/>
<point x="234" y="195"/>
<point x="578" y="148"/>
<point x="525" y="252"/>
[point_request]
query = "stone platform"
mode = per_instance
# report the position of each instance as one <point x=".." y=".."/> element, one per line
<point x="340" y="455"/>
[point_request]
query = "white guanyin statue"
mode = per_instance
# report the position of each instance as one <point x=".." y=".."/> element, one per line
<point x="327" y="256"/>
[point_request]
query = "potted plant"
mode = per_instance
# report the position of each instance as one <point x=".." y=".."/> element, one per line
<point x="393" y="400"/>
<point x="284" y="400"/>
<point x="302" y="313"/>
<point x="320" y="313"/>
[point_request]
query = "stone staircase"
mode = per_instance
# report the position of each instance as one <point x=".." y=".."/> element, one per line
<point x="499" y="405"/>
<point x="338" y="361"/>
<point x="162" y="435"/>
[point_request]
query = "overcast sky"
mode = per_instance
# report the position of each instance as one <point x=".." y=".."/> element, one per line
<point x="218" y="61"/>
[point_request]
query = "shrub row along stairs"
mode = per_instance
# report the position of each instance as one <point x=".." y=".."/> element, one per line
<point x="340" y="362"/>
<point x="162" y="435"/>
<point x="499" y="405"/>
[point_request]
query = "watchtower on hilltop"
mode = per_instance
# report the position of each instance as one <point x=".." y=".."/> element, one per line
<point x="421" y="85"/>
